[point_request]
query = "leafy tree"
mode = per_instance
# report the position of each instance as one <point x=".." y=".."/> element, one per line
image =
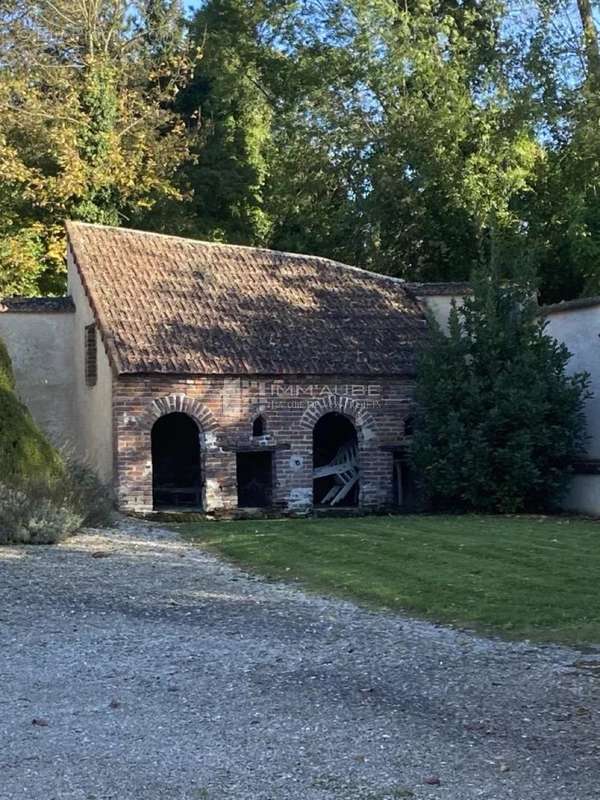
<point x="561" y="217"/>
<point x="399" y="145"/>
<point x="229" y="105"/>
<point x="420" y="138"/>
<point x="87" y="128"/>
<point x="500" y="420"/>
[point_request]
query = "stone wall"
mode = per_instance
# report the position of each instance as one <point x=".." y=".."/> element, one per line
<point x="224" y="410"/>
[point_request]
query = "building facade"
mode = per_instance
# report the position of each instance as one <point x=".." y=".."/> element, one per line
<point x="220" y="378"/>
<point x="199" y="376"/>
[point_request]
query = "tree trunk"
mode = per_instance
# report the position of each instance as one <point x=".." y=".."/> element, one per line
<point x="590" y="42"/>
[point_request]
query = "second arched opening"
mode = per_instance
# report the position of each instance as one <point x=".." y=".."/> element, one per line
<point x="336" y="468"/>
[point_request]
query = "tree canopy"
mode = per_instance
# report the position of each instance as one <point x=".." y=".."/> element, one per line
<point x="87" y="129"/>
<point x="421" y="138"/>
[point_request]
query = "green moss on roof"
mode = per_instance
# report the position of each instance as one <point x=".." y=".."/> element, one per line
<point x="25" y="453"/>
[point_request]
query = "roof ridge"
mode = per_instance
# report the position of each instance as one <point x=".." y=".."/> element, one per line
<point x="306" y="256"/>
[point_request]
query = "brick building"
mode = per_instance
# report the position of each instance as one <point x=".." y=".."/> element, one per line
<point x="221" y="377"/>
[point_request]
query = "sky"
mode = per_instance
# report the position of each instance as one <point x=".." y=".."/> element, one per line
<point x="192" y="5"/>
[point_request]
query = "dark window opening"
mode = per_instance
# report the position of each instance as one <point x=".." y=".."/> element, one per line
<point x="255" y="480"/>
<point x="259" y="427"/>
<point x="404" y="487"/>
<point x="91" y="355"/>
<point x="176" y="468"/>
<point x="335" y="461"/>
<point x="409" y="426"/>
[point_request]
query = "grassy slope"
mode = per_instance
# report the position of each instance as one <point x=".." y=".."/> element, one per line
<point x="519" y="576"/>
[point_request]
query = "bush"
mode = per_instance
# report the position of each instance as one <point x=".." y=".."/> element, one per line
<point x="499" y="420"/>
<point x="37" y="514"/>
<point x="91" y="498"/>
<point x="48" y="512"/>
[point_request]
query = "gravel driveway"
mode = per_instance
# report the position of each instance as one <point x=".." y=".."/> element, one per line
<point x="137" y="667"/>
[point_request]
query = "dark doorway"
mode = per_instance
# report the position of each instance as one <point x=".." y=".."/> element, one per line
<point x="404" y="487"/>
<point x="335" y="461"/>
<point x="176" y="471"/>
<point x="255" y="480"/>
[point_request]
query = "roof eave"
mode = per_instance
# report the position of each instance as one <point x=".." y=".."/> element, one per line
<point x="107" y="339"/>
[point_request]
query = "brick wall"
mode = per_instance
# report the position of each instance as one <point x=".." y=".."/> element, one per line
<point x="224" y="410"/>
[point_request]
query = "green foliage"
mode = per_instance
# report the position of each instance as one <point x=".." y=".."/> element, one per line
<point x="31" y="471"/>
<point x="47" y="510"/>
<point x="87" y="127"/>
<point x="36" y="513"/>
<point x="226" y="105"/>
<point x="377" y="133"/>
<point x="25" y="453"/>
<point x="87" y="496"/>
<point x="7" y="381"/>
<point x="422" y="139"/>
<point x="43" y="496"/>
<point x="499" y="420"/>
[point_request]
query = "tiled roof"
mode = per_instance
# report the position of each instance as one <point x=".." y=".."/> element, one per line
<point x="171" y="305"/>
<point x="447" y="289"/>
<point x="37" y="305"/>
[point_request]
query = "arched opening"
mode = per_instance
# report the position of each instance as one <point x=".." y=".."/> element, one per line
<point x="335" y="461"/>
<point x="176" y="469"/>
<point x="259" y="426"/>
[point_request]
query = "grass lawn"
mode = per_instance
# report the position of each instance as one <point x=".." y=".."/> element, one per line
<point x="530" y="577"/>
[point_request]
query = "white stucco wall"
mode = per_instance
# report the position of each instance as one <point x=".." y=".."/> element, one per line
<point x="579" y="329"/>
<point x="440" y="305"/>
<point x="583" y="496"/>
<point x="93" y="404"/>
<point x="40" y="347"/>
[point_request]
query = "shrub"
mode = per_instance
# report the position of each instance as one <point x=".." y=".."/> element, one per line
<point x="499" y="420"/>
<point x="48" y="512"/>
<point x="91" y="498"/>
<point x="38" y="514"/>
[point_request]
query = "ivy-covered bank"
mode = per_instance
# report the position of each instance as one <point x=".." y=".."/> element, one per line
<point x="25" y="453"/>
<point x="43" y="498"/>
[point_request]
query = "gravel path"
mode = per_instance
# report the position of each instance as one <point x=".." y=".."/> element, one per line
<point x="137" y="667"/>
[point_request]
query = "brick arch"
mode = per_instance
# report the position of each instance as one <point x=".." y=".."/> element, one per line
<point x="170" y="404"/>
<point x="362" y="419"/>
